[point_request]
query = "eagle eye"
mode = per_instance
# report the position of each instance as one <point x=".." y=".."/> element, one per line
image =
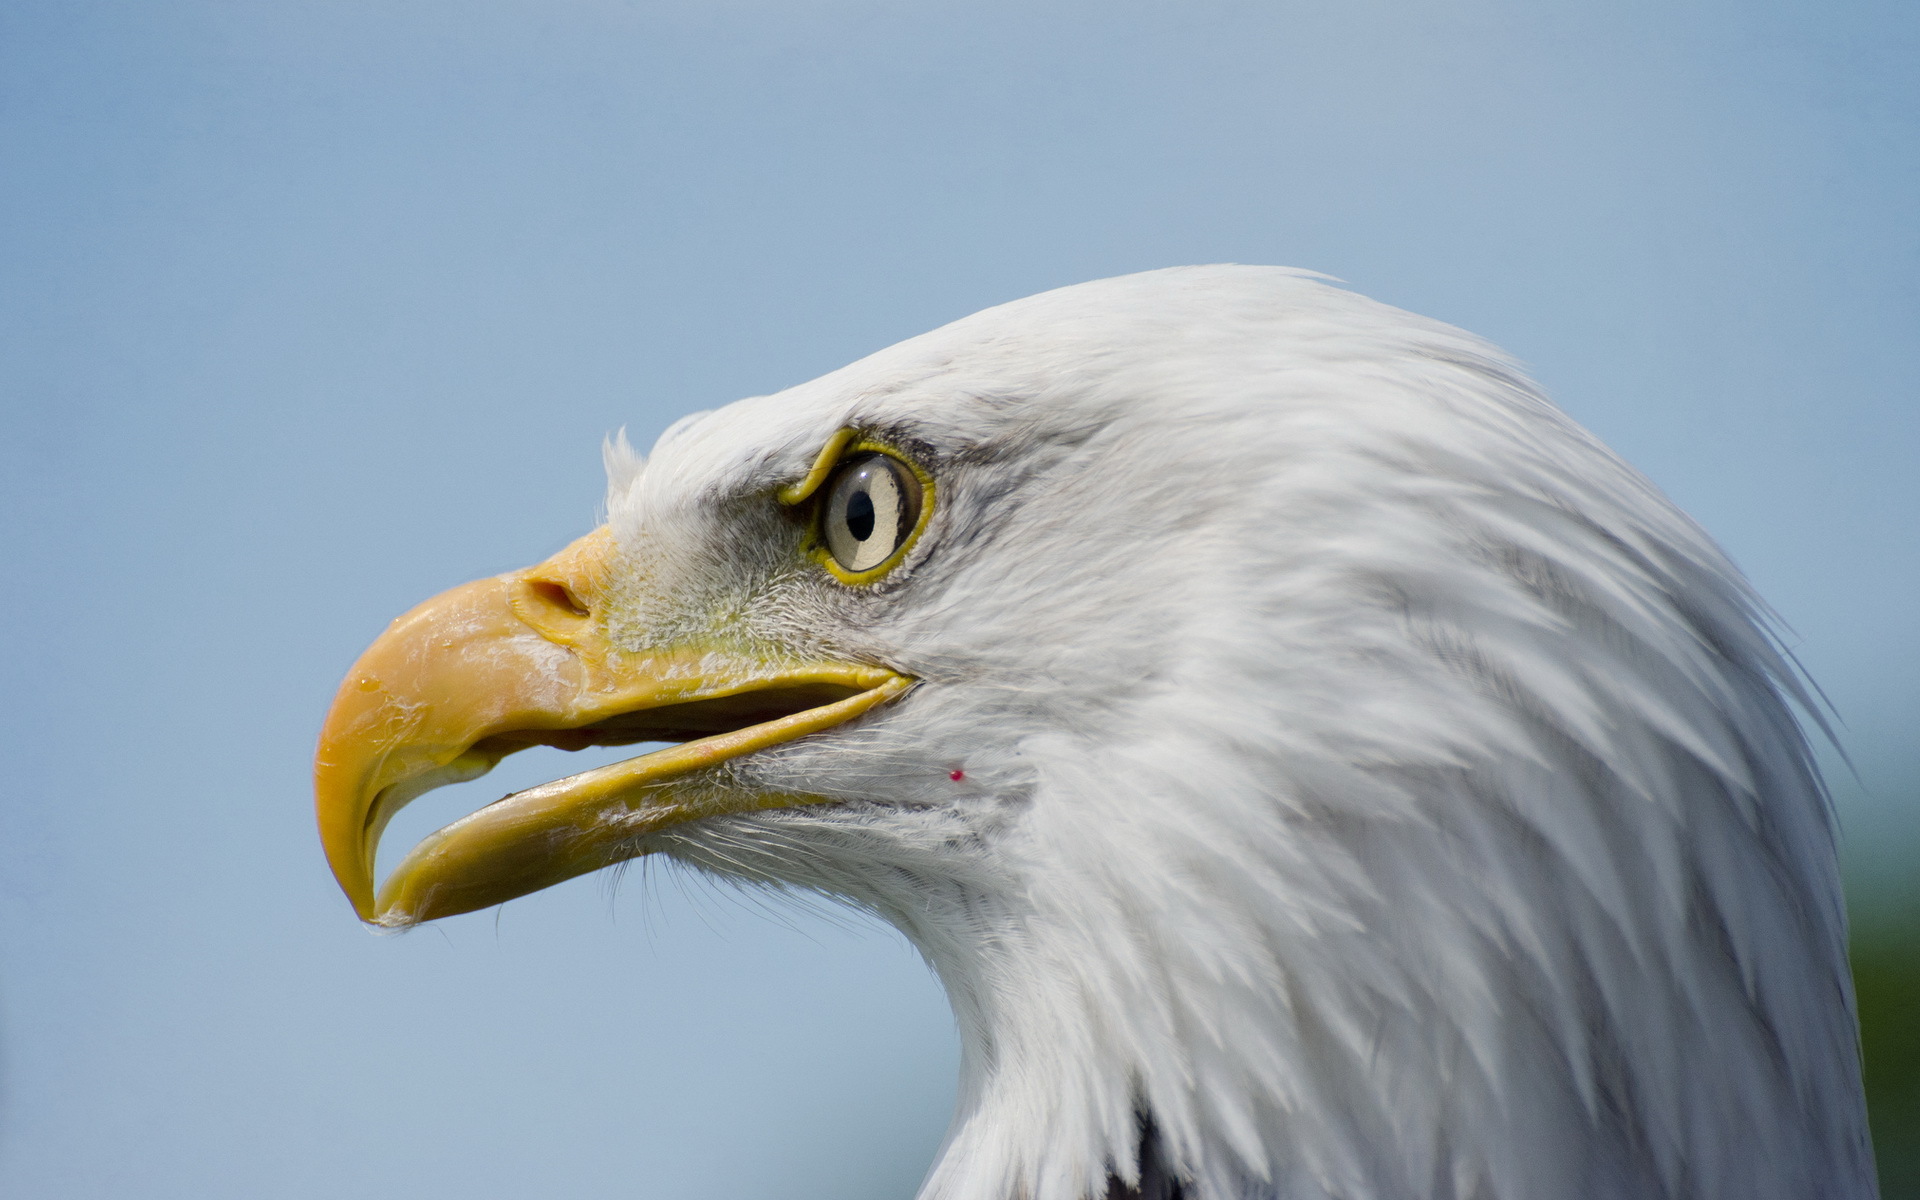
<point x="871" y="511"/>
<point x="872" y="505"/>
<point x="869" y="503"/>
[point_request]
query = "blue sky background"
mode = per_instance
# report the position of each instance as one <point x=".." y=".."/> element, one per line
<point x="310" y="311"/>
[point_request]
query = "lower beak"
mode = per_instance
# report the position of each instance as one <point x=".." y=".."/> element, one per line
<point x="524" y="659"/>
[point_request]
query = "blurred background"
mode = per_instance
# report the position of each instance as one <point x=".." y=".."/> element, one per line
<point x="310" y="311"/>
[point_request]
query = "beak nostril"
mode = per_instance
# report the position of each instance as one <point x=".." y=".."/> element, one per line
<point x="558" y="595"/>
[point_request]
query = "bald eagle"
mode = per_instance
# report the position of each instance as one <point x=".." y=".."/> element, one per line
<point x="1315" y="767"/>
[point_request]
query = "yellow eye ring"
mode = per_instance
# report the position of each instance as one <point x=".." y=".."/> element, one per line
<point x="873" y="504"/>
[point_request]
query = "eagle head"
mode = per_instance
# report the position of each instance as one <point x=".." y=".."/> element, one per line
<point x="1314" y="766"/>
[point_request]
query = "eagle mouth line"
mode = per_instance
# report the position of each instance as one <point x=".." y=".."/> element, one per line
<point x="684" y="721"/>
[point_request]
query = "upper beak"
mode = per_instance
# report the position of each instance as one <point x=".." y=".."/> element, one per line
<point x="524" y="659"/>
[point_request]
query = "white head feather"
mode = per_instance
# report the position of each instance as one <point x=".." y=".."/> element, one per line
<point x="1366" y="780"/>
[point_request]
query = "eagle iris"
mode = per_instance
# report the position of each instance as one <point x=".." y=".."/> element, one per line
<point x="872" y="507"/>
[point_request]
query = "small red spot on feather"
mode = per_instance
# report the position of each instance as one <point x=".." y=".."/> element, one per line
<point x="957" y="776"/>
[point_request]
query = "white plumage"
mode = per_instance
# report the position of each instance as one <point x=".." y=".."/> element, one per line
<point x="1333" y="773"/>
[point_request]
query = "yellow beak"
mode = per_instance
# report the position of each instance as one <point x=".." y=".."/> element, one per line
<point x="524" y="659"/>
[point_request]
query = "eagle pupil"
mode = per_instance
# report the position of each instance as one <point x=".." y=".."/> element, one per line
<point x="860" y="515"/>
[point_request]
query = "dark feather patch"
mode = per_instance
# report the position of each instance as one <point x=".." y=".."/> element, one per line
<point x="1157" y="1181"/>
